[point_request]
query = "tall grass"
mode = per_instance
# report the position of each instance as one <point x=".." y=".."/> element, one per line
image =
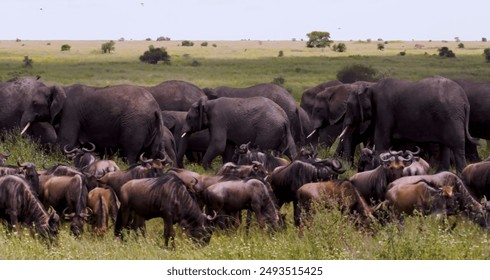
<point x="332" y="234"/>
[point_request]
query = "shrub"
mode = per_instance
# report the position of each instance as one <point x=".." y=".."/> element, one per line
<point x="108" y="46"/>
<point x="195" y="63"/>
<point x="483" y="39"/>
<point x="279" y="80"/>
<point x="187" y="43"/>
<point x="340" y="47"/>
<point x="204" y="44"/>
<point x="163" y="38"/>
<point x="403" y="53"/>
<point x="486" y="53"/>
<point x="153" y="55"/>
<point x="357" y="72"/>
<point x="214" y="45"/>
<point x="461" y="46"/>
<point x="148" y="39"/>
<point x="446" y="52"/>
<point x="281" y="54"/>
<point x="381" y="46"/>
<point x="65" y="47"/>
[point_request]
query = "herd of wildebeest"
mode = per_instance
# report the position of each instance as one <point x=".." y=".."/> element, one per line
<point x="268" y="145"/>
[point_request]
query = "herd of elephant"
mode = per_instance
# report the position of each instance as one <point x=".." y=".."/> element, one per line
<point x="176" y="118"/>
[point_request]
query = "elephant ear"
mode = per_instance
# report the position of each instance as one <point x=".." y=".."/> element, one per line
<point x="337" y="108"/>
<point x="58" y="98"/>
<point x="210" y="93"/>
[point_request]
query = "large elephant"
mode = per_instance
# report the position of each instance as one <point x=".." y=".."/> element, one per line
<point x="29" y="104"/>
<point x="120" y="118"/>
<point x="479" y="125"/>
<point x="434" y="109"/>
<point x="257" y="120"/>
<point x="308" y="97"/>
<point x="175" y="95"/>
<point x="198" y="142"/>
<point x="299" y="119"/>
<point x="328" y="113"/>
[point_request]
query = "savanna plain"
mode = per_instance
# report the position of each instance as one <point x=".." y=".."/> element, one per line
<point x="332" y="235"/>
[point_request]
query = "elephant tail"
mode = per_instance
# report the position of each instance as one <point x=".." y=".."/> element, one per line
<point x="473" y="140"/>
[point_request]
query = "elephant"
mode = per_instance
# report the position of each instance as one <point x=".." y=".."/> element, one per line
<point x="120" y="118"/>
<point x="29" y="104"/>
<point x="235" y="121"/>
<point x="299" y="119"/>
<point x="175" y="95"/>
<point x="479" y="124"/>
<point x="198" y="142"/>
<point x="308" y="97"/>
<point x="433" y="109"/>
<point x="328" y="113"/>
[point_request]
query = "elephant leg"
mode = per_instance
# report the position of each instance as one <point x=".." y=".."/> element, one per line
<point x="471" y="152"/>
<point x="229" y="151"/>
<point x="444" y="159"/>
<point x="215" y="148"/>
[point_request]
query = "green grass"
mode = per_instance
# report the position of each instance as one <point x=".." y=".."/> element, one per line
<point x="244" y="63"/>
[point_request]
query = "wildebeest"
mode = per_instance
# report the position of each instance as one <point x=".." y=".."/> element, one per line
<point x="476" y="177"/>
<point x="82" y="157"/>
<point x="336" y="193"/>
<point x="67" y="195"/>
<point x="244" y="155"/>
<point x="86" y="162"/>
<point x="19" y="205"/>
<point x="166" y="197"/>
<point x="285" y="181"/>
<point x="372" y="184"/>
<point x="420" y="196"/>
<point x="103" y="203"/>
<point x="466" y="203"/>
<point x="229" y="198"/>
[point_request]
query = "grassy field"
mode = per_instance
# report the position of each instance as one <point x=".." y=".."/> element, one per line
<point x="245" y="63"/>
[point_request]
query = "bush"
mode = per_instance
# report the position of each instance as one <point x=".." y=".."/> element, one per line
<point x="163" y="38"/>
<point x="195" y="63"/>
<point x="381" y="46"/>
<point x="340" y="47"/>
<point x="483" y="39"/>
<point x="281" y="54"/>
<point x="461" y="46"/>
<point x="279" y="80"/>
<point x="108" y="47"/>
<point x="214" y="45"/>
<point x="204" y="44"/>
<point x="486" y="53"/>
<point x="403" y="53"/>
<point x="27" y="62"/>
<point x="357" y="72"/>
<point x="446" y="52"/>
<point x="153" y="55"/>
<point x="187" y="43"/>
<point x="65" y="47"/>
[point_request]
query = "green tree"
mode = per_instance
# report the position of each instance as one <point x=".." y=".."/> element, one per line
<point x="318" y="39"/>
<point x="446" y="52"/>
<point x="187" y="43"/>
<point x="153" y="55"/>
<point x="108" y="46"/>
<point x="381" y="46"/>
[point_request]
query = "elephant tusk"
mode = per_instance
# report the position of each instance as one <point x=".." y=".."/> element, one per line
<point x="25" y="128"/>
<point x="343" y="132"/>
<point x="311" y="134"/>
<point x="183" y="135"/>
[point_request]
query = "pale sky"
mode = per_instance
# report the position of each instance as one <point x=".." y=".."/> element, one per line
<point x="247" y="19"/>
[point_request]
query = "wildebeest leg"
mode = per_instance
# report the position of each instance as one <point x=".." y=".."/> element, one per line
<point x="14" y="222"/>
<point x="121" y="222"/>
<point x="248" y="222"/>
<point x="168" y="231"/>
<point x="297" y="213"/>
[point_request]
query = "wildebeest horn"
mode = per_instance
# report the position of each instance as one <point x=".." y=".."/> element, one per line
<point x="394" y="153"/>
<point x="67" y="216"/>
<point x="384" y="157"/>
<point x="70" y="151"/>
<point x="142" y="159"/>
<point x="164" y="159"/>
<point x="88" y="214"/>
<point x="25" y="128"/>
<point x="89" y="150"/>
<point x="210" y="218"/>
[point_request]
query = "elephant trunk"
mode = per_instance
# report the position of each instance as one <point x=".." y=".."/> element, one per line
<point x="182" y="148"/>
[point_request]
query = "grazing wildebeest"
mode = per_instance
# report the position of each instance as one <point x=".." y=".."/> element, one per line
<point x="19" y="205"/>
<point x="372" y="184"/>
<point x="244" y="155"/>
<point x="103" y="203"/>
<point x="68" y="195"/>
<point x="422" y="197"/>
<point x="285" y="181"/>
<point x="336" y="193"/>
<point x="86" y="162"/>
<point x="466" y="203"/>
<point x="229" y="198"/>
<point x="166" y="197"/>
